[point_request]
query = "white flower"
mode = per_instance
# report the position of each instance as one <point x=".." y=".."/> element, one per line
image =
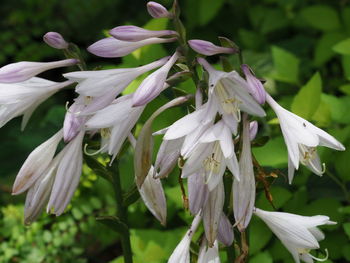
<point x="36" y="163"/>
<point x="24" y="97"/>
<point x="209" y="254"/>
<point x="213" y="153"/>
<point x="67" y="176"/>
<point x="212" y="211"/>
<point x="244" y="189"/>
<point x="302" y="138"/>
<point x="111" y="47"/>
<point x="152" y="194"/>
<point x="225" y="231"/>
<point x="110" y="81"/>
<point x="116" y="122"/>
<point x="153" y="85"/>
<point x="24" y="70"/>
<point x="198" y="192"/>
<point x="181" y="254"/>
<point x="231" y="92"/>
<point x="299" y="234"/>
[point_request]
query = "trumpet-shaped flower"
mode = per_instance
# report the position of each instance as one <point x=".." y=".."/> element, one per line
<point x="110" y="81"/>
<point x="152" y="194"/>
<point x="214" y="152"/>
<point x="111" y="47"/>
<point x="299" y="234"/>
<point x="24" y="70"/>
<point x="208" y="254"/>
<point x="24" y="97"/>
<point x="67" y="176"/>
<point x="153" y="85"/>
<point x="181" y="254"/>
<point x="230" y="92"/>
<point x="302" y="138"/>
<point x="36" y="163"/>
<point x="244" y="189"/>
<point x="115" y="122"/>
<point x="135" y="33"/>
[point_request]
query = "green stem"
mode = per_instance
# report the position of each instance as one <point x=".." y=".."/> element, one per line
<point x="122" y="214"/>
<point x="230" y="251"/>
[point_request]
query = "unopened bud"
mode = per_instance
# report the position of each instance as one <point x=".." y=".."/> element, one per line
<point x="207" y="48"/>
<point x="156" y="10"/>
<point x="134" y="33"/>
<point x="55" y="40"/>
<point x="256" y="88"/>
<point x="253" y="129"/>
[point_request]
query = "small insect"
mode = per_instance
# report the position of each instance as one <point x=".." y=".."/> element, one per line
<point x="304" y="124"/>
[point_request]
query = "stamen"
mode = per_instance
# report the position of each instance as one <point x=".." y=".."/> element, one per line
<point x="320" y="259"/>
<point x="105" y="133"/>
<point x="94" y="153"/>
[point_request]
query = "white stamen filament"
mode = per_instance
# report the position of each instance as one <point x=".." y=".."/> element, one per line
<point x="212" y="163"/>
<point x="229" y="104"/>
<point x="320" y="259"/>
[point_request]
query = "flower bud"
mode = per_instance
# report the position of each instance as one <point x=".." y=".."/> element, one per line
<point x="55" y="40"/>
<point x="207" y="48"/>
<point x="134" y="33"/>
<point x="253" y="129"/>
<point x="21" y="71"/>
<point x="156" y="10"/>
<point x="225" y="231"/>
<point x="113" y="48"/>
<point x="256" y="88"/>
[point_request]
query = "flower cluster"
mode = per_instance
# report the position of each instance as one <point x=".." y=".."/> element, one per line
<point x="205" y="143"/>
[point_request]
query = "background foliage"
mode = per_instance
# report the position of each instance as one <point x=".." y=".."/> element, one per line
<point x="302" y="49"/>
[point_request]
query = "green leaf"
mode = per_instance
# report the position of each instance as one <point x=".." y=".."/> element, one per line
<point x="307" y="100"/>
<point x="345" y="61"/>
<point x="286" y="66"/>
<point x="98" y="168"/>
<point x="274" y="153"/>
<point x="201" y="12"/>
<point x="322" y="116"/>
<point x="321" y="17"/>
<point x="338" y="106"/>
<point x="345" y="89"/>
<point x="263" y="257"/>
<point x="259" y="235"/>
<point x="323" y="48"/>
<point x="343" y="47"/>
<point x="346" y="227"/>
<point x="280" y="196"/>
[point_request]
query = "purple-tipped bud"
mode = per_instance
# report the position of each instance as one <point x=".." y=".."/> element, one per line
<point x="113" y="48"/>
<point x="21" y="71"/>
<point x="156" y="10"/>
<point x="73" y="123"/>
<point x="135" y="33"/>
<point x="55" y="40"/>
<point x="207" y="48"/>
<point x="225" y="231"/>
<point x="253" y="129"/>
<point x="256" y="88"/>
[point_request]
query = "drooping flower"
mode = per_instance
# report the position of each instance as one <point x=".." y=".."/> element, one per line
<point x="110" y="81"/>
<point x="198" y="192"/>
<point x="230" y="91"/>
<point x="209" y="49"/>
<point x="225" y="231"/>
<point x="152" y="194"/>
<point x="244" y="189"/>
<point x="116" y="122"/>
<point x="24" y="97"/>
<point x="111" y="47"/>
<point x="302" y="138"/>
<point x="153" y="85"/>
<point x="156" y="10"/>
<point x="256" y="88"/>
<point x="253" y="129"/>
<point x="181" y="254"/>
<point x="213" y="153"/>
<point x="36" y="163"/>
<point x="24" y="70"/>
<point x="212" y="212"/>
<point x="208" y="254"/>
<point x="299" y="234"/>
<point x="67" y="176"/>
<point x="135" y="33"/>
<point x="55" y="40"/>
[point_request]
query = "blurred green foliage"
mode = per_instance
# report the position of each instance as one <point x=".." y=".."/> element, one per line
<point x="300" y="47"/>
